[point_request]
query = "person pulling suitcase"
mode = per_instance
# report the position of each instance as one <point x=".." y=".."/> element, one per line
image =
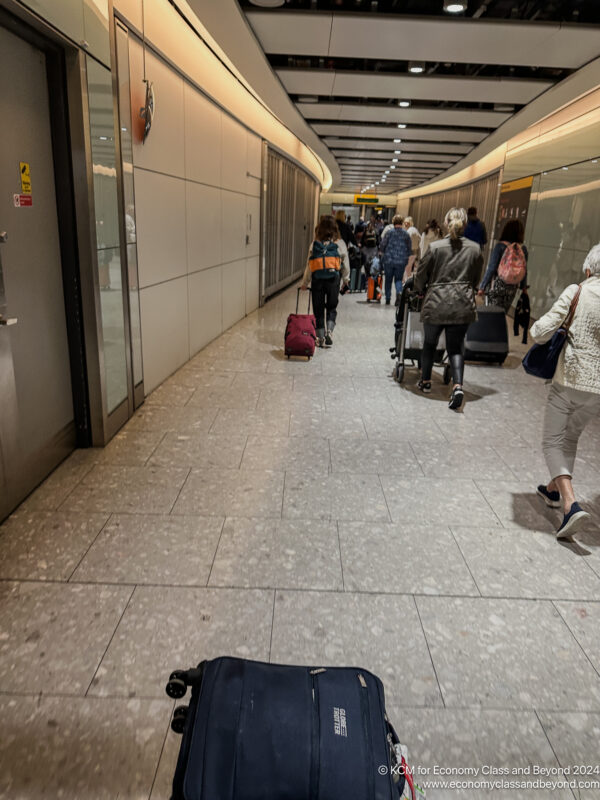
<point x="327" y="263"/>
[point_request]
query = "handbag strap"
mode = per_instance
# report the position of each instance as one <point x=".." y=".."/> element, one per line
<point x="569" y="320"/>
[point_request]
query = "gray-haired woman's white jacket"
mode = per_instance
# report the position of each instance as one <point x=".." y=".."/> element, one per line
<point x="579" y="363"/>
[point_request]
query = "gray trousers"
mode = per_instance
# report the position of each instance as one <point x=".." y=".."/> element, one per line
<point x="568" y="411"/>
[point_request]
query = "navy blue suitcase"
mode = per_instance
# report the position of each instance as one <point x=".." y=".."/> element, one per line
<point x="256" y="731"/>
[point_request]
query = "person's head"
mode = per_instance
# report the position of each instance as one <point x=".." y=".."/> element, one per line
<point x="408" y="222"/>
<point x="455" y="221"/>
<point x="591" y="265"/>
<point x="397" y="221"/>
<point x="432" y="225"/>
<point x="513" y="231"/>
<point x="340" y="215"/>
<point x="327" y="229"/>
<point x="471" y="211"/>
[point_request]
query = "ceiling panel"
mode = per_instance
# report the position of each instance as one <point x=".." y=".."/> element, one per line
<point x="420" y="134"/>
<point x="412" y="87"/>
<point x="455" y="40"/>
<point x="414" y="147"/>
<point x="402" y="158"/>
<point x="411" y="116"/>
<point x="341" y="146"/>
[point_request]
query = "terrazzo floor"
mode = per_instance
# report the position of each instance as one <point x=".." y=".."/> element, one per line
<point x="306" y="513"/>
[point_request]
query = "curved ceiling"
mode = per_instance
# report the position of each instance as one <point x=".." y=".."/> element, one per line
<point x="345" y="64"/>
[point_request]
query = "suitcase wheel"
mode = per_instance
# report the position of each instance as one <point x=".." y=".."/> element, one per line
<point x="176" y="687"/>
<point x="398" y="373"/>
<point x="179" y="718"/>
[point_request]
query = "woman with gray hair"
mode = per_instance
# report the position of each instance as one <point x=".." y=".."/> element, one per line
<point x="449" y="272"/>
<point x="574" y="398"/>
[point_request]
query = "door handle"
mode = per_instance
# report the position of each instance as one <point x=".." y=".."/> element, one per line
<point x="8" y="320"/>
<point x="3" y="237"/>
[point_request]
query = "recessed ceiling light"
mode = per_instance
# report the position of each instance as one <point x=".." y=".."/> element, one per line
<point x="394" y="160"/>
<point x="401" y="125"/>
<point x="376" y="183"/>
<point x="397" y="141"/>
<point x="416" y="67"/>
<point x="404" y="103"/>
<point x="103" y="138"/>
<point x="308" y="98"/>
<point x="393" y="166"/>
<point x="565" y="168"/>
<point x="397" y="152"/>
<point x="450" y="6"/>
<point x="387" y="172"/>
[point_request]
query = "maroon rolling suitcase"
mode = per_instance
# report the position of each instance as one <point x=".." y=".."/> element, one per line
<point x="300" y="332"/>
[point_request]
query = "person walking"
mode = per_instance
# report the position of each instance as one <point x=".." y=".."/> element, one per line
<point x="522" y="314"/>
<point x="475" y="228"/>
<point x="499" y="292"/>
<point x="449" y="273"/>
<point x="369" y="247"/>
<point x="432" y="233"/>
<point x="396" y="248"/>
<point x="574" y="397"/>
<point x="345" y="229"/>
<point x="327" y="263"/>
<point x="415" y="240"/>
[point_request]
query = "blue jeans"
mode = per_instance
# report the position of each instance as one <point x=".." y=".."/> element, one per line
<point x="393" y="272"/>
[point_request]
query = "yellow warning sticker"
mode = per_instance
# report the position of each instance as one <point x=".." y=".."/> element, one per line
<point x="25" y="177"/>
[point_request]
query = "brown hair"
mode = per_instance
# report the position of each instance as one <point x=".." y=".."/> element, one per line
<point x="398" y="219"/>
<point x="327" y="229"/>
<point x="513" y="231"/>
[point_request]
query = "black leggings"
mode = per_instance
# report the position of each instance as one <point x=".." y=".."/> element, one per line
<point x="455" y="341"/>
<point x="325" y="294"/>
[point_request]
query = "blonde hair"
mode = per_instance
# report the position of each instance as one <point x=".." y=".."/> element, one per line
<point x="340" y="215"/>
<point x="455" y="221"/>
<point x="397" y="219"/>
<point x="408" y="221"/>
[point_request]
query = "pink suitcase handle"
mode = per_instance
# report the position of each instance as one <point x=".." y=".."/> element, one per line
<point x="298" y="299"/>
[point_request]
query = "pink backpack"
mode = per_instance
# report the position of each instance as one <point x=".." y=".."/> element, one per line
<point x="513" y="264"/>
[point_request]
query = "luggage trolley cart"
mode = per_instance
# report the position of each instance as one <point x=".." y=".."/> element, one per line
<point x="410" y="334"/>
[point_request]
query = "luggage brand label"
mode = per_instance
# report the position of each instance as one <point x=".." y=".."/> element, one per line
<point x="339" y="722"/>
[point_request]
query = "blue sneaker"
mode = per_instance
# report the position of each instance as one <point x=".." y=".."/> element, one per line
<point x="551" y="499"/>
<point x="572" y="522"/>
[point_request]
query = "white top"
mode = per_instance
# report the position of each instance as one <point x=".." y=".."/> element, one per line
<point x="579" y="363"/>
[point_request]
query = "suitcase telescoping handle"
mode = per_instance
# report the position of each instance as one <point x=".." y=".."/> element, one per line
<point x="298" y="299"/>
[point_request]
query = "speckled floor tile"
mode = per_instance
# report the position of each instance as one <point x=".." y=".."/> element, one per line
<point x="200" y="450"/>
<point x="52" y="636"/>
<point x="574" y="738"/>
<point x="273" y="384"/>
<point x="98" y="749"/>
<point x="170" y="393"/>
<point x="400" y="427"/>
<point x="525" y="463"/>
<point x="279" y="453"/>
<point x="294" y="366"/>
<point x="509" y="563"/>
<point x="46" y="545"/>
<point x="305" y="402"/>
<point x="53" y="491"/>
<point x="232" y="493"/>
<point x="518" y="506"/>
<point x="356" y="404"/>
<point x="478" y="745"/>
<point x="374" y="455"/>
<point x="379" y="633"/>
<point x="167" y="628"/>
<point x="225" y="398"/>
<point x="403" y="559"/>
<point x="240" y="422"/>
<point x="472" y="429"/>
<point x="287" y="554"/>
<point x="127" y="489"/>
<point x="507" y="654"/>
<point x="469" y="462"/>
<point x="583" y="619"/>
<point x="190" y="419"/>
<point x="139" y="548"/>
<point x="162" y="788"/>
<point x="129" y="448"/>
<point x="335" y="496"/>
<point x="436" y="501"/>
<point x="193" y="375"/>
<point x="329" y="424"/>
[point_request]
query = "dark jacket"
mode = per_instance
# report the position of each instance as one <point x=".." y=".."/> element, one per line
<point x="494" y="263"/>
<point x="346" y="233"/>
<point x="450" y="276"/>
<point x="475" y="230"/>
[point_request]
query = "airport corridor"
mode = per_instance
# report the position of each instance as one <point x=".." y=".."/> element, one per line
<point x="304" y="513"/>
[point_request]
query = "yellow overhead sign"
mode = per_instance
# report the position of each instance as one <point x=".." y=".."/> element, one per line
<point x="25" y="177"/>
<point x="370" y="199"/>
<point x="512" y="186"/>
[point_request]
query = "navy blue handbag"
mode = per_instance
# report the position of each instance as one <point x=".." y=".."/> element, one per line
<point x="542" y="359"/>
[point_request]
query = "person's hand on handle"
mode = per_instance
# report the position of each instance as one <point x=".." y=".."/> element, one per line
<point x="480" y="292"/>
<point x="303" y="287"/>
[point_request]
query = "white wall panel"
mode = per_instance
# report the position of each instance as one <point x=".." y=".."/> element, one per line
<point x="163" y="150"/>
<point x="233" y="233"/>
<point x="252" y="226"/>
<point x="234" y="292"/>
<point x="165" y="343"/>
<point x="202" y="138"/>
<point x="252" y="283"/>
<point x="233" y="155"/>
<point x="132" y="11"/>
<point x="203" y="226"/>
<point x="205" y="307"/>
<point x="160" y="219"/>
<point x="254" y="165"/>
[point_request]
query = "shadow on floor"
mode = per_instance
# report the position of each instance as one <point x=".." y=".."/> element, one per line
<point x="531" y="513"/>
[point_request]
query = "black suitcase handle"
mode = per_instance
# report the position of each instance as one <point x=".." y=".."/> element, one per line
<point x="298" y="298"/>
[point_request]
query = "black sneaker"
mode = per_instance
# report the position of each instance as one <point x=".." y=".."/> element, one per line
<point x="328" y="340"/>
<point x="387" y="301"/>
<point x="551" y="499"/>
<point x="319" y="342"/>
<point x="456" y="398"/>
<point x="424" y="386"/>
<point x="572" y="522"/>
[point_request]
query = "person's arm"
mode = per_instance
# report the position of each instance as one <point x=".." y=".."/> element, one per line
<point x="423" y="271"/>
<point x="384" y="243"/>
<point x="345" y="264"/>
<point x="546" y="326"/>
<point x="492" y="267"/>
<point x="307" y="277"/>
